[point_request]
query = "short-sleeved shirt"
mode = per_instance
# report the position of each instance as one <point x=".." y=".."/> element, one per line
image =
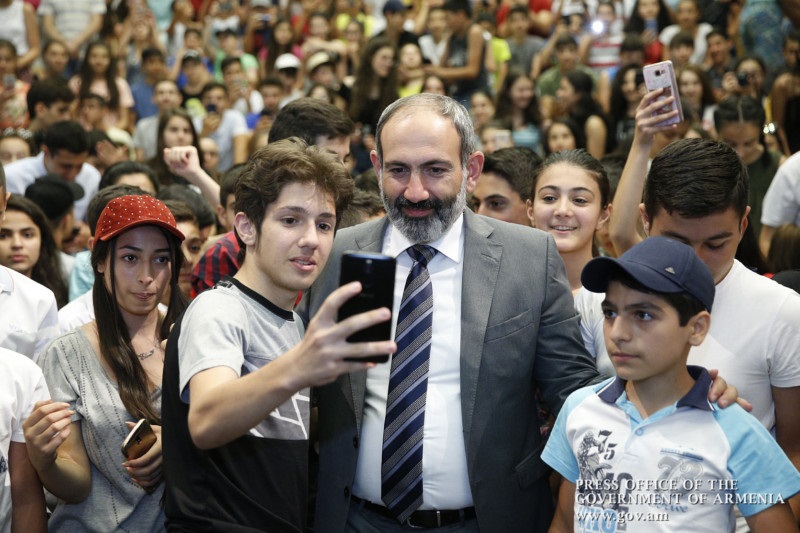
<point x="28" y="314"/>
<point x="522" y="53"/>
<point x="680" y="469"/>
<point x="754" y="339"/>
<point x="259" y="479"/>
<point x="71" y="17"/>
<point x="21" y="385"/>
<point x="75" y="375"/>
<point x="782" y="201"/>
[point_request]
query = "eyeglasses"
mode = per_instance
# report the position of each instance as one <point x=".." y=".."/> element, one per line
<point x="22" y="133"/>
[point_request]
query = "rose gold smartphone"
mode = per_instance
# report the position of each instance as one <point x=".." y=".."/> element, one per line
<point x="662" y="76"/>
<point x="139" y="440"/>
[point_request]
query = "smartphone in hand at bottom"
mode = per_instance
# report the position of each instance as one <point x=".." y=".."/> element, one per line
<point x="140" y="439"/>
<point x="376" y="274"/>
<point x="662" y="76"/>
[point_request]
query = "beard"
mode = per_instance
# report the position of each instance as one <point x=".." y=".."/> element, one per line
<point x="422" y="230"/>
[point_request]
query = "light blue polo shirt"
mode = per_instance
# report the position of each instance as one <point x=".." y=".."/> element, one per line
<point x="680" y="469"/>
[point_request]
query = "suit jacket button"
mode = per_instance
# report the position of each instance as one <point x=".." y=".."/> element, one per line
<point x="347" y="492"/>
<point x="355" y="442"/>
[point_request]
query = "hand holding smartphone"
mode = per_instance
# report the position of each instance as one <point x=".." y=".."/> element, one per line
<point x="662" y="76"/>
<point x="140" y="439"/>
<point x="376" y="274"/>
<point x="138" y="442"/>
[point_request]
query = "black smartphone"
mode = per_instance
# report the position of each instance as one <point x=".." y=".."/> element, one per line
<point x="376" y="274"/>
<point x="743" y="78"/>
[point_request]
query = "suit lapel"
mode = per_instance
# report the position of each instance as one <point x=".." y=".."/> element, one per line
<point x="481" y="268"/>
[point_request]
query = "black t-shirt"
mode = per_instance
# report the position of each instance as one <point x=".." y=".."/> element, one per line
<point x="249" y="484"/>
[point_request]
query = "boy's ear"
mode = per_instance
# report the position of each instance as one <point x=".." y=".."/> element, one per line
<point x="699" y="324"/>
<point x="246" y="229"/>
<point x="529" y="211"/>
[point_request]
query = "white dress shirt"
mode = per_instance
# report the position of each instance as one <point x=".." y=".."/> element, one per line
<point x="444" y="460"/>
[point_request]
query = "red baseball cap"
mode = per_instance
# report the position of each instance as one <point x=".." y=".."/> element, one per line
<point x="126" y="212"/>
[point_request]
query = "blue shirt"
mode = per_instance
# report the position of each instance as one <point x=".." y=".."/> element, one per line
<point x="680" y="469"/>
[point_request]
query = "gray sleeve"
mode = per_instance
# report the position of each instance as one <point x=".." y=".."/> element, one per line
<point x="213" y="333"/>
<point x="60" y="362"/>
<point x="562" y="363"/>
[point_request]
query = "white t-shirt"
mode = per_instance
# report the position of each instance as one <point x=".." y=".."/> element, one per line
<point x="700" y="45"/>
<point x="28" y="314"/>
<point x="21" y="385"/>
<point x="781" y="204"/>
<point x="754" y="339"/>
<point x="588" y="305"/>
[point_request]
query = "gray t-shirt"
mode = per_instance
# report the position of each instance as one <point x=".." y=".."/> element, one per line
<point x="74" y="375"/>
<point x="229" y="326"/>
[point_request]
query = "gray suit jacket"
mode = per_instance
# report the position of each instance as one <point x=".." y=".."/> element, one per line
<point x="519" y="329"/>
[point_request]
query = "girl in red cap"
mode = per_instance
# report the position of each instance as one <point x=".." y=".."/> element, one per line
<point x="106" y="375"/>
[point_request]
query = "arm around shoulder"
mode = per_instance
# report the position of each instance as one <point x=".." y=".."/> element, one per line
<point x="564" y="519"/>
<point x="776" y="518"/>
<point x="28" y="511"/>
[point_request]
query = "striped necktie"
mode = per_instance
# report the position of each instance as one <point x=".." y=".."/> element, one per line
<point x="401" y="467"/>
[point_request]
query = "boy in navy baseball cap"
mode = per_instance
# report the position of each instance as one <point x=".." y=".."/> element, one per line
<point x="646" y="449"/>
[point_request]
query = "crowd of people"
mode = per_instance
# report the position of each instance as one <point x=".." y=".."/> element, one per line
<point x="152" y="151"/>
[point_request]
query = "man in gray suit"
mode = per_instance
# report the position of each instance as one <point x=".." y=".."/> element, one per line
<point x="503" y="323"/>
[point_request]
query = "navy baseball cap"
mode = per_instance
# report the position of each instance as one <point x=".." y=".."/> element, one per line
<point x="394" y="6"/>
<point x="660" y="264"/>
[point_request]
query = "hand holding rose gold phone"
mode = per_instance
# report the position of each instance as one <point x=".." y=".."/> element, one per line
<point x="138" y="442"/>
<point x="662" y="76"/>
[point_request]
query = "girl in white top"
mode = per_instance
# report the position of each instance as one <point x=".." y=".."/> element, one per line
<point x="570" y="200"/>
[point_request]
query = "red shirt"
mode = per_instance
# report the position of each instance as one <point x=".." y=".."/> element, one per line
<point x="220" y="260"/>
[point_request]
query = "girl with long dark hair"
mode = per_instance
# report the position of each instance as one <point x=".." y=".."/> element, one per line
<point x="175" y="128"/>
<point x="98" y="75"/>
<point x="571" y="200"/>
<point x="627" y="90"/>
<point x="375" y="85"/>
<point x="518" y="106"/>
<point x="106" y="375"/>
<point x="27" y="246"/>
<point x="575" y="96"/>
<point x="648" y="19"/>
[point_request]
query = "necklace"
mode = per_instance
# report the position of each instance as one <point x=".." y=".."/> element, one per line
<point x="145" y="355"/>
